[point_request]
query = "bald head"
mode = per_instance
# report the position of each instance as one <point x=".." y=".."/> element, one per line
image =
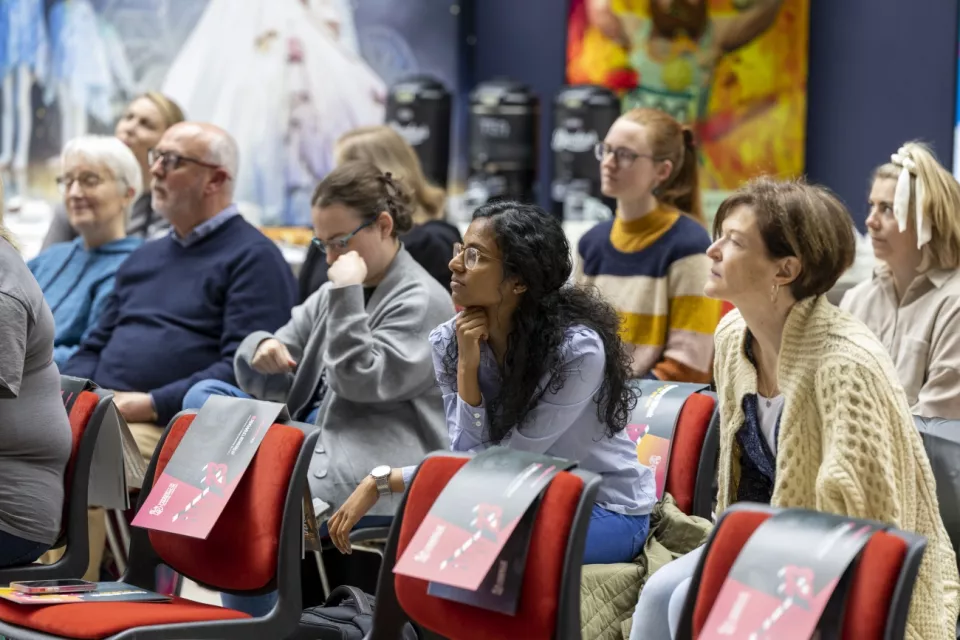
<point x="211" y="144"/>
<point x="194" y="174"/>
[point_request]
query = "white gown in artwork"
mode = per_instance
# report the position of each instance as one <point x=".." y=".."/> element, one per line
<point x="276" y="76"/>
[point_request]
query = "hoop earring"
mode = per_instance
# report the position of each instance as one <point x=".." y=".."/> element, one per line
<point x="775" y="293"/>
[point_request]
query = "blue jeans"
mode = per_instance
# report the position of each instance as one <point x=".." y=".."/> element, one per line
<point x="16" y="551"/>
<point x="658" y="612"/>
<point x="614" y="537"/>
<point x="259" y="606"/>
<point x="200" y="392"/>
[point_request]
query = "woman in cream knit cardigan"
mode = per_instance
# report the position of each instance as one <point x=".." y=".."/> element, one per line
<point x="811" y="412"/>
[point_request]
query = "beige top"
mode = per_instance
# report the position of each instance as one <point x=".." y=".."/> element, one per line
<point x="847" y="444"/>
<point x="921" y="334"/>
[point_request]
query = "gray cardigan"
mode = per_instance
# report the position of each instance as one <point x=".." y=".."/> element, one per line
<point x="382" y="404"/>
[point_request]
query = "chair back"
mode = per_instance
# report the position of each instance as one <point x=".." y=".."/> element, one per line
<point x="941" y="440"/>
<point x="549" y="604"/>
<point x="254" y="547"/>
<point x="86" y="418"/>
<point x="694" y="454"/>
<point x="882" y="579"/>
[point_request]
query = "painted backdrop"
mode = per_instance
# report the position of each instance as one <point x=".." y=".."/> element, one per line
<point x="956" y="131"/>
<point x="285" y="77"/>
<point x="736" y="70"/>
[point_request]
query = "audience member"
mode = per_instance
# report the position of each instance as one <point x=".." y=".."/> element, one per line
<point x="140" y="127"/>
<point x="100" y="179"/>
<point x="912" y="303"/>
<point x="650" y="261"/>
<point x="431" y="238"/>
<point x="35" y="438"/>
<point x="811" y="413"/>
<point x="182" y="304"/>
<point x="535" y="365"/>
<point x="354" y="358"/>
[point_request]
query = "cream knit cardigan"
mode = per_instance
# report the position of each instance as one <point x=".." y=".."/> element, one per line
<point x="847" y="442"/>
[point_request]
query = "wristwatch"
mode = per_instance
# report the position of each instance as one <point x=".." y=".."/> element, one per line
<point x="381" y="475"/>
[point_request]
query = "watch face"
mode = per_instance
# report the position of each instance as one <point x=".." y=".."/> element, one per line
<point x="380" y="472"/>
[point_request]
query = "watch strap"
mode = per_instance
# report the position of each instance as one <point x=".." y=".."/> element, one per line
<point x="383" y="485"/>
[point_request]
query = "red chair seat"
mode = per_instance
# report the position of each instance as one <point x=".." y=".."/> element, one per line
<point x="96" y="620"/>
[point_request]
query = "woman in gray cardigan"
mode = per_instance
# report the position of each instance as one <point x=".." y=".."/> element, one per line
<point x="355" y="358"/>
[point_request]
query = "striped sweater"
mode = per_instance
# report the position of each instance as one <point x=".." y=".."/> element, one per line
<point x="653" y="271"/>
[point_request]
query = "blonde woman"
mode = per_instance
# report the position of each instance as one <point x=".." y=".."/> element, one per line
<point x="34" y="432"/>
<point x="431" y="239"/>
<point x="912" y="302"/>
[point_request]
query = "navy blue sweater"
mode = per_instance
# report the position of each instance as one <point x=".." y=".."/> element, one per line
<point x="177" y="314"/>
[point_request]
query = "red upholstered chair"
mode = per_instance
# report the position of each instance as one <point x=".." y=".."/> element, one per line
<point x="86" y="417"/>
<point x="693" y="455"/>
<point x="882" y="579"/>
<point x="549" y="604"/>
<point x="254" y="548"/>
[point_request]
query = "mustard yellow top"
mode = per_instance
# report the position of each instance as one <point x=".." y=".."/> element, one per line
<point x="653" y="270"/>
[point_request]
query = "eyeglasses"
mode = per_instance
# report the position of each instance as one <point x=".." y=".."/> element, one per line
<point x="171" y="161"/>
<point x="87" y="181"/>
<point x="340" y="244"/>
<point x="471" y="256"/>
<point x="623" y="156"/>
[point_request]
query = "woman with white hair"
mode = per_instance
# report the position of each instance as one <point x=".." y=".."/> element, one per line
<point x="100" y="180"/>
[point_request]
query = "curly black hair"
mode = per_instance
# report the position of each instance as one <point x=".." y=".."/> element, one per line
<point x="534" y="249"/>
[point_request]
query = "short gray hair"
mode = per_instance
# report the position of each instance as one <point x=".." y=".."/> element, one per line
<point x="222" y="151"/>
<point x="111" y="153"/>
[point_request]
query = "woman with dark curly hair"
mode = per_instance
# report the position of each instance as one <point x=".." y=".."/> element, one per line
<point x="536" y="365"/>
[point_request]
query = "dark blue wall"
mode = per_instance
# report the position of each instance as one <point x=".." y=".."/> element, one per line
<point x="881" y="72"/>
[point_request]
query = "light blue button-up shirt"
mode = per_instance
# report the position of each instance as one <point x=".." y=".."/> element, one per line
<point x="563" y="424"/>
<point x="206" y="227"/>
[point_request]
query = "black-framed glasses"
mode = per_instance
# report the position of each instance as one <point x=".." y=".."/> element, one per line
<point x="340" y="244"/>
<point x="623" y="156"/>
<point x="471" y="256"/>
<point x="171" y="161"/>
<point x="87" y="181"/>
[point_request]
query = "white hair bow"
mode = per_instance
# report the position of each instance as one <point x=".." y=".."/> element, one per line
<point x="901" y="197"/>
